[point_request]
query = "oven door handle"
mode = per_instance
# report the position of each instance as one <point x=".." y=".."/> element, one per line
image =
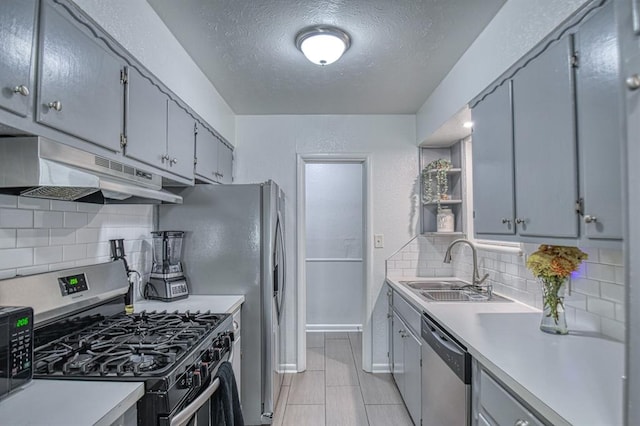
<point x="183" y="417"/>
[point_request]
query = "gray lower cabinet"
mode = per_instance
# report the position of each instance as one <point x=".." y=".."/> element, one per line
<point x="545" y="145"/>
<point x="599" y="96"/>
<point x="16" y="47"/>
<point x="495" y="405"/>
<point x="493" y="168"/>
<point x="79" y="87"/>
<point x="407" y="356"/>
<point x="159" y="132"/>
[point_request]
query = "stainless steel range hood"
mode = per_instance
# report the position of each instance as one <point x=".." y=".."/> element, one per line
<point x="41" y="168"/>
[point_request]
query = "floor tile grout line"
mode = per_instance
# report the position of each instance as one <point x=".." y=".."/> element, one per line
<point x="353" y="355"/>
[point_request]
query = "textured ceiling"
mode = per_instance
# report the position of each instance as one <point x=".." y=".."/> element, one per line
<point x="401" y="50"/>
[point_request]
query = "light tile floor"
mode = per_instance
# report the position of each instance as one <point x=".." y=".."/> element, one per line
<point x="336" y="391"/>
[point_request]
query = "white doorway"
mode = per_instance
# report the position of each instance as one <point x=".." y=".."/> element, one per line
<point x="334" y="254"/>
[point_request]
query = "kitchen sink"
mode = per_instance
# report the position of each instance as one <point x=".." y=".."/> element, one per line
<point x="451" y="291"/>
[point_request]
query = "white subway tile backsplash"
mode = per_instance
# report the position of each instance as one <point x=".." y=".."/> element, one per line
<point x="619" y="272"/>
<point x="32" y="237"/>
<point x="600" y="272"/>
<point x="586" y="286"/>
<point x="16" y="258"/>
<point x="75" y="220"/>
<point x="100" y="250"/>
<point x="47" y="219"/>
<point x="33" y="203"/>
<point x="7" y="238"/>
<point x="63" y="206"/>
<point x="61" y="265"/>
<point x="611" y="257"/>
<point x="8" y="201"/>
<point x="47" y="255"/>
<point x="74" y="252"/>
<point x="600" y="307"/>
<point x="59" y="237"/>
<point x="620" y="312"/>
<point x="88" y="235"/>
<point x="14" y="218"/>
<point x="613" y="292"/>
<point x="88" y="208"/>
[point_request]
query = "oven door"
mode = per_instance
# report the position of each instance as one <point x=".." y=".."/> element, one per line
<point x="198" y="411"/>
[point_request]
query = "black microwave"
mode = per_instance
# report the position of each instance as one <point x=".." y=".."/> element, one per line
<point x="16" y="347"/>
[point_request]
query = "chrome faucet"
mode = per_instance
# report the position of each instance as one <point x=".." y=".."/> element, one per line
<point x="476" y="281"/>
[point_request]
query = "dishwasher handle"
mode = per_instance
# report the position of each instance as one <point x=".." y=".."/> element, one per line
<point x="452" y="353"/>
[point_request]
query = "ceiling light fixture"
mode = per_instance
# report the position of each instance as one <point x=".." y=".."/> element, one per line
<point x="323" y="45"/>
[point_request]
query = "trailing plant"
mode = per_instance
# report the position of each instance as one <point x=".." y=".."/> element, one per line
<point x="436" y="190"/>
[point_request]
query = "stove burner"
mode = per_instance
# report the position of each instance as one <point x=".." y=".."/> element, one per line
<point x="144" y="344"/>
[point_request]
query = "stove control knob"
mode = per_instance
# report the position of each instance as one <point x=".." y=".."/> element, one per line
<point x="196" y="379"/>
<point x="207" y="356"/>
<point x="227" y="341"/>
<point x="217" y="354"/>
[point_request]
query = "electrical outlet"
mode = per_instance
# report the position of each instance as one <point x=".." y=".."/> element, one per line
<point x="378" y="241"/>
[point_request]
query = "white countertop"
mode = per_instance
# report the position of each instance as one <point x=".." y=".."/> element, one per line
<point x="69" y="403"/>
<point x="215" y="304"/>
<point x="572" y="379"/>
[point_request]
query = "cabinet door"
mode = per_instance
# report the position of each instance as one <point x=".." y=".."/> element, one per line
<point x="80" y="92"/>
<point x="207" y="154"/>
<point x="398" y="351"/>
<point x="599" y="101"/>
<point x="225" y="163"/>
<point x="16" y="46"/>
<point x="180" y="141"/>
<point x="545" y="145"/>
<point x="413" y="376"/>
<point x="146" y="121"/>
<point x="236" y="363"/>
<point x="492" y="151"/>
<point x="390" y="327"/>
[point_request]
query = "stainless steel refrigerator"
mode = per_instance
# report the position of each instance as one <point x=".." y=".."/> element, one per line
<point x="234" y="244"/>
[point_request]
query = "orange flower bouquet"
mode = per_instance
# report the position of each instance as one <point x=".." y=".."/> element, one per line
<point x="553" y="265"/>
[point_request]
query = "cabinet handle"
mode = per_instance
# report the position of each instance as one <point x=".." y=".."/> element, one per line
<point x="173" y="161"/>
<point x="22" y="89"/>
<point x="57" y="105"/>
<point x="165" y="157"/>
<point x="235" y="326"/>
<point x="589" y="219"/>
<point x="505" y="220"/>
<point x="519" y="221"/>
<point x="389" y="316"/>
<point x="521" y="422"/>
<point x="633" y="82"/>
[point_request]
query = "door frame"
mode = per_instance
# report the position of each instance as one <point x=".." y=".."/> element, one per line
<point x="368" y="297"/>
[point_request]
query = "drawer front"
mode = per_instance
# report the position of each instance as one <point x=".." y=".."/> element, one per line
<point x="501" y="407"/>
<point x="408" y="313"/>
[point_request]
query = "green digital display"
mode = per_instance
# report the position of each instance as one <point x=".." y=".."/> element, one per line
<point x="22" y="322"/>
<point x="73" y="281"/>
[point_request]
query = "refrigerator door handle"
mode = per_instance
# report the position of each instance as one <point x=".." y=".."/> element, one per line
<point x="279" y="291"/>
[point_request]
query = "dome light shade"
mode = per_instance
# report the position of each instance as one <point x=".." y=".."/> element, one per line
<point x="323" y="45"/>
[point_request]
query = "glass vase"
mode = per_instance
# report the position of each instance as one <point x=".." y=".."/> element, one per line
<point x="554" y="319"/>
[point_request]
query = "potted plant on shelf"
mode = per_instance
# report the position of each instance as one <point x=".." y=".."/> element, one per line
<point x="436" y="190"/>
<point x="552" y="266"/>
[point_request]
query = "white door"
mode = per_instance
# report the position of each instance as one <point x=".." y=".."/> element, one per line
<point x="334" y="225"/>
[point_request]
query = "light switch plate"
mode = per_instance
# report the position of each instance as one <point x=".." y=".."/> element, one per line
<point x="378" y="241"/>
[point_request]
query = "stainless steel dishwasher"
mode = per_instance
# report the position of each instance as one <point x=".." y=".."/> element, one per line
<point x="446" y="378"/>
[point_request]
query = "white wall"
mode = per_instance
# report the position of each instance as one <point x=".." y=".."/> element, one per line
<point x="137" y="27"/>
<point x="515" y="29"/>
<point x="267" y="148"/>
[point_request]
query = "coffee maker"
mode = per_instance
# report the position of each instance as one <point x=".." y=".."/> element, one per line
<point x="167" y="281"/>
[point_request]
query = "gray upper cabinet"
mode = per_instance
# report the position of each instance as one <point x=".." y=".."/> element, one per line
<point x="159" y="132"/>
<point x="492" y="150"/>
<point x="206" y="154"/>
<point x="225" y="163"/>
<point x="79" y="88"/>
<point x="545" y="145"/>
<point x="181" y="134"/>
<point x="16" y="47"/>
<point x="599" y="100"/>
<point x="146" y="121"/>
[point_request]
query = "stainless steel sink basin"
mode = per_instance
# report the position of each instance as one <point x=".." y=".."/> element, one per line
<point x="451" y="291"/>
<point x="435" y="285"/>
<point x="461" y="296"/>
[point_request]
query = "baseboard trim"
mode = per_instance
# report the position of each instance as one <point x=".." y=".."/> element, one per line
<point x="318" y="328"/>
<point x="380" y="368"/>
<point x="289" y="368"/>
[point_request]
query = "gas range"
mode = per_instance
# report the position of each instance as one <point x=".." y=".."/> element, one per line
<point x="85" y="335"/>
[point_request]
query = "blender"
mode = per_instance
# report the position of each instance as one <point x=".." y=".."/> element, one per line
<point x="167" y="281"/>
